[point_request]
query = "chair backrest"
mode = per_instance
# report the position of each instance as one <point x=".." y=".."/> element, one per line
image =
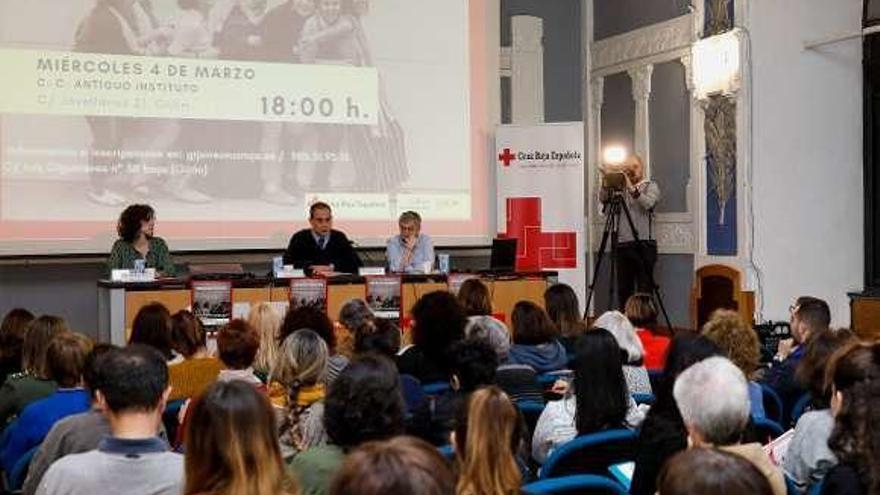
<point x="799" y="407"/>
<point x="643" y="398"/>
<point x="413" y="395"/>
<point x="717" y="287"/>
<point x="15" y="478"/>
<point x="588" y="484"/>
<point x="591" y="454"/>
<point x="766" y="430"/>
<point x="447" y="451"/>
<point x="436" y="388"/>
<point x="772" y="404"/>
<point x="790" y="487"/>
<point x="531" y="411"/>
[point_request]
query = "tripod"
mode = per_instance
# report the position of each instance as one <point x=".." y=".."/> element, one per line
<point x="612" y="209"/>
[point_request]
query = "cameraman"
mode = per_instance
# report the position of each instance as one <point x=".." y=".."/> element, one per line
<point x="641" y="196"/>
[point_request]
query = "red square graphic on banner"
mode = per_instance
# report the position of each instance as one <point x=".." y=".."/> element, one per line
<point x="536" y="249"/>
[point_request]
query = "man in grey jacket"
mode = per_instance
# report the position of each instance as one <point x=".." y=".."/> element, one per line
<point x="132" y="392"/>
<point x="635" y="260"/>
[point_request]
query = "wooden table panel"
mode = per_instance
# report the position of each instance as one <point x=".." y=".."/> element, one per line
<point x="251" y="295"/>
<point x="340" y="294"/>
<point x="174" y="300"/>
<point x="506" y="293"/>
<point x="866" y="317"/>
<point x="412" y="292"/>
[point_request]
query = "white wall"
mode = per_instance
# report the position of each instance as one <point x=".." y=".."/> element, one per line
<point x="807" y="136"/>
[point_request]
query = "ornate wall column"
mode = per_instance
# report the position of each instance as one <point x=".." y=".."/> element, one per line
<point x="527" y="69"/>
<point x="641" y="92"/>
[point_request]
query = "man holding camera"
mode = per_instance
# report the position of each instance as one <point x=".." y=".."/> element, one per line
<point x="635" y="263"/>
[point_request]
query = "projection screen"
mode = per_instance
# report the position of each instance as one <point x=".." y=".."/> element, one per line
<point x="230" y="117"/>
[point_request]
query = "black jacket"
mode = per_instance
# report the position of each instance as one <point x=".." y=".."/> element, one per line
<point x="303" y="252"/>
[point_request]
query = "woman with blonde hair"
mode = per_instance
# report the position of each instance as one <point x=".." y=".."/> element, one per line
<point x="487" y="436"/>
<point x="267" y="321"/>
<point x="232" y="446"/>
<point x="301" y="368"/>
<point x="740" y="344"/>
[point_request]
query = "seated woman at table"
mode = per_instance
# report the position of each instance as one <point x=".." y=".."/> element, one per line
<point x="137" y="242"/>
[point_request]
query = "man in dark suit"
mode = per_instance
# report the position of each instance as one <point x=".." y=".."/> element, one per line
<point x="321" y="250"/>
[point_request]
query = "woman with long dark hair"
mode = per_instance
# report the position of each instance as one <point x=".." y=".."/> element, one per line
<point x="364" y="403"/>
<point x="438" y="322"/>
<point x="232" y="445"/>
<point x="854" y="377"/>
<point x="152" y="326"/>
<point x="563" y="308"/>
<point x="597" y="400"/>
<point x="808" y="458"/>
<point x="663" y="433"/>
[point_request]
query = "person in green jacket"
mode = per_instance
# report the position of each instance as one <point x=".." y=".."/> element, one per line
<point x="137" y="242"/>
<point x="20" y="389"/>
<point x="364" y="403"/>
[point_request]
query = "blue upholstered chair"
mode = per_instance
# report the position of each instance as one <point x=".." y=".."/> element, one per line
<point x="587" y="484"/>
<point x="591" y="454"/>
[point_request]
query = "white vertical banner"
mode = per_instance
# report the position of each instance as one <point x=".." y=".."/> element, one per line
<point x="540" y="176"/>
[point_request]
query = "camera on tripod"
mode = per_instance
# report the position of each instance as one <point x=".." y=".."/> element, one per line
<point x="614" y="181"/>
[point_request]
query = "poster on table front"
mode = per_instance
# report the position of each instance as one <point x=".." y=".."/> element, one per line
<point x="308" y="293"/>
<point x="212" y="301"/>
<point x="383" y="296"/>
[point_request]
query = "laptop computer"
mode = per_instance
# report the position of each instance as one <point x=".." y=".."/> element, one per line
<point x="503" y="258"/>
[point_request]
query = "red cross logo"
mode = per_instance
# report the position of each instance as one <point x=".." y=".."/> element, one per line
<point x="506" y="157"/>
<point x="535" y="248"/>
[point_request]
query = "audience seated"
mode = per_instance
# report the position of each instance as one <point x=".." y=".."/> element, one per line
<point x="232" y="445"/>
<point x="317" y="321"/>
<point x="33" y="382"/>
<point x="473" y="364"/>
<point x="377" y="335"/>
<point x="711" y="471"/>
<point x="74" y="434"/>
<point x="438" y="322"/>
<point x="12" y="331"/>
<point x="631" y="350"/>
<point x="809" y="317"/>
<point x="535" y="339"/>
<point x="642" y="313"/>
<point x="237" y="345"/>
<point x="352" y="315"/>
<point x="562" y="307"/>
<point x="597" y="400"/>
<point x="65" y="360"/>
<point x="477" y="303"/>
<point x="152" y="327"/>
<point x="133" y="390"/>
<point x="854" y="377"/>
<point x="663" y="433"/>
<point x="488" y="435"/>
<point x="808" y="457"/>
<point x="740" y="344"/>
<point x="713" y="398"/>
<point x="198" y="370"/>
<point x="364" y="403"/>
<point x="301" y="368"/>
<point x="399" y="466"/>
<point x="267" y="322"/>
